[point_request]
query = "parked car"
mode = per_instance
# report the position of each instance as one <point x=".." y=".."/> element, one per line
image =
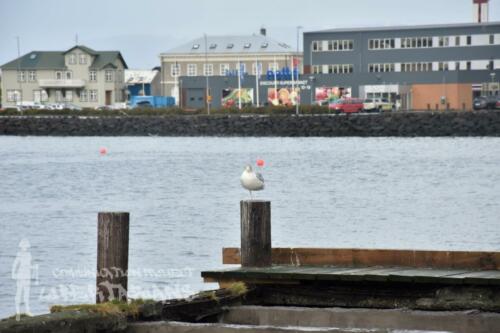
<point x="55" y="106"/>
<point x="72" y="107"/>
<point x="485" y="102"/>
<point x="348" y="105"/>
<point x="377" y="105"/>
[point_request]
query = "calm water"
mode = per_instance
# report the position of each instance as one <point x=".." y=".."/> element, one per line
<point x="183" y="195"/>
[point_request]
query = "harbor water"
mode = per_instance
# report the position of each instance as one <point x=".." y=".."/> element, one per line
<point x="183" y="196"/>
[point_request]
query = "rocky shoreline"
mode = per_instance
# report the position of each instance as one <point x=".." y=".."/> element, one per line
<point x="433" y="124"/>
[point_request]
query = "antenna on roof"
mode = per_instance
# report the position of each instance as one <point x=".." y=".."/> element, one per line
<point x="76" y="39"/>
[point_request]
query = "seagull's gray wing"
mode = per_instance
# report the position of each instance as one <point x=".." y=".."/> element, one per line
<point x="259" y="177"/>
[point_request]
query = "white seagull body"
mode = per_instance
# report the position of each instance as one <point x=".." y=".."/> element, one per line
<point x="251" y="181"/>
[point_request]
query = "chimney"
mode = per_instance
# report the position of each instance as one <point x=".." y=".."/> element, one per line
<point x="263" y="31"/>
<point x="480" y="11"/>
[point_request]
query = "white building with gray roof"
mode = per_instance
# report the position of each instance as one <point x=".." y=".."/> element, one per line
<point x="80" y="76"/>
<point x="220" y="56"/>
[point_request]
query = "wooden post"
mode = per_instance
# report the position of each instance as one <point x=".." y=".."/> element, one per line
<point x="255" y="233"/>
<point x="112" y="256"/>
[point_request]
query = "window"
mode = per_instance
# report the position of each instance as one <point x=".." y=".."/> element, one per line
<point x="13" y="95"/>
<point x="83" y="96"/>
<point x="93" y="76"/>
<point x="230" y="45"/>
<point x="491" y="65"/>
<point x="175" y="70"/>
<point x="351" y="44"/>
<point x="247" y="45"/>
<point x="208" y="69"/>
<point x="196" y="46"/>
<point x="45" y="96"/>
<point x="469" y="40"/>
<point x="224" y="69"/>
<point x="315" y="46"/>
<point x="457" y="41"/>
<point x="492" y="39"/>
<point x="316" y="69"/>
<point x="191" y="70"/>
<point x="243" y="68"/>
<point x="83" y="59"/>
<point x="330" y="45"/>
<point x="69" y="96"/>
<point x="59" y="96"/>
<point x="370" y="44"/>
<point x="59" y="76"/>
<point x="257" y="68"/>
<point x="37" y="96"/>
<point x="32" y="76"/>
<point x="108" y="75"/>
<point x="69" y="75"/>
<point x="443" y="66"/>
<point x="21" y="76"/>
<point x="457" y="65"/>
<point x="213" y="46"/>
<point x="72" y="59"/>
<point x="469" y="65"/>
<point x="93" y="95"/>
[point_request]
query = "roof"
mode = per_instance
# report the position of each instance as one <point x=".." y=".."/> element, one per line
<point x="55" y="59"/>
<point x="407" y="27"/>
<point x="139" y="76"/>
<point x="231" y="45"/>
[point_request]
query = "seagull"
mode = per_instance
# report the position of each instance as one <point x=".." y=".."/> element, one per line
<point x="251" y="181"/>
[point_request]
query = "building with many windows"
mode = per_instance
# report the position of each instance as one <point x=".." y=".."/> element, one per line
<point x="79" y="76"/>
<point x="219" y="57"/>
<point x="417" y="67"/>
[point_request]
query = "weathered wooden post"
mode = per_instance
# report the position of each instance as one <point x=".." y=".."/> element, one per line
<point x="112" y="256"/>
<point x="255" y="233"/>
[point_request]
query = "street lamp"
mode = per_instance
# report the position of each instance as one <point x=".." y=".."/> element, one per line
<point x="293" y="71"/>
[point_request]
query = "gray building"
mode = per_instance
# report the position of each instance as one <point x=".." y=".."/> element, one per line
<point x="80" y="76"/>
<point x="218" y="58"/>
<point x="418" y="67"/>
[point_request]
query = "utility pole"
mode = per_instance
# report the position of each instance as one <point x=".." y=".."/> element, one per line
<point x="293" y="71"/>
<point x="208" y="97"/>
<point x="18" y="96"/>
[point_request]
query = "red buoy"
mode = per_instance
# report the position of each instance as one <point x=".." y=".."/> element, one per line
<point x="103" y="151"/>
<point x="260" y="163"/>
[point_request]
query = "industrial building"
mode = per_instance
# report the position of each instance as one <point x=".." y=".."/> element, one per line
<point x="431" y="67"/>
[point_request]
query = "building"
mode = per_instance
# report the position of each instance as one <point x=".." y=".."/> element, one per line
<point x="432" y="67"/>
<point x="220" y="58"/>
<point x="79" y="76"/>
<point x="143" y="82"/>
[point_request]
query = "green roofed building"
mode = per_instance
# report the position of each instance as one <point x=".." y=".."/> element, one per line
<point x="78" y="76"/>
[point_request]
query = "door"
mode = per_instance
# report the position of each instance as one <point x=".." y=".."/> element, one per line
<point x="195" y="98"/>
<point x="109" y="94"/>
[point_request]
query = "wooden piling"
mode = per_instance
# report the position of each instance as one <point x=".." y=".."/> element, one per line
<point x="255" y="233"/>
<point x="112" y="256"/>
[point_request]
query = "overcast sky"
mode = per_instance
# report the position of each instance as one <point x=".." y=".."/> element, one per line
<point x="141" y="29"/>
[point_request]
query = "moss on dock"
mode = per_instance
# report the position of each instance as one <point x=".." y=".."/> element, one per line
<point x="128" y="309"/>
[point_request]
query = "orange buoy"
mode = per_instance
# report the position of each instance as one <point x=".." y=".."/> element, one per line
<point x="260" y="163"/>
<point x="103" y="150"/>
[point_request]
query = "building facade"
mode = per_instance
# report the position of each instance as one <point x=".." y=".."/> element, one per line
<point x="417" y="67"/>
<point x="79" y="76"/>
<point x="143" y="82"/>
<point x="220" y="57"/>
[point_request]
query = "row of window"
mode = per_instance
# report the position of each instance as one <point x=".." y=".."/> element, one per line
<point x="21" y="76"/>
<point x="428" y="42"/>
<point x="67" y="75"/>
<point x="333" y="69"/>
<point x="208" y="69"/>
<point x="80" y="58"/>
<point x="333" y="45"/>
<point x="42" y="96"/>
<point x="425" y="66"/>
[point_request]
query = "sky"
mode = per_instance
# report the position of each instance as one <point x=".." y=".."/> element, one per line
<point x="142" y="29"/>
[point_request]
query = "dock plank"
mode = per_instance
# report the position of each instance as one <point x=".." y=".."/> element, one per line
<point x="282" y="273"/>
